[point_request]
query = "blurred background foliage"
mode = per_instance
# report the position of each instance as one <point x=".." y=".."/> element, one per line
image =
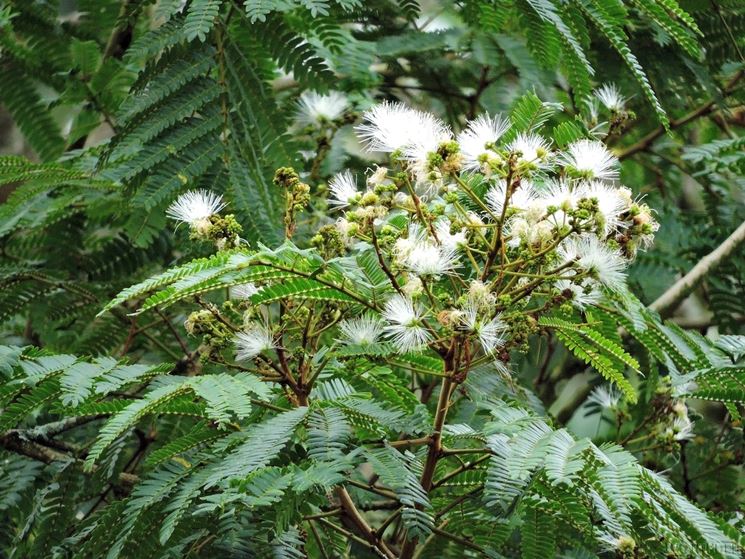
<point x="111" y="108"/>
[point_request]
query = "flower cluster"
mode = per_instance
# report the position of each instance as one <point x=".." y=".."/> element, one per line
<point x="478" y="233"/>
<point x="491" y="210"/>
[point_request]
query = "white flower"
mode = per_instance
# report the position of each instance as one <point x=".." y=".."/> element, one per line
<point x="449" y="241"/>
<point x="379" y="176"/>
<point x="604" y="264"/>
<point x="489" y="333"/>
<point x="394" y="126"/>
<point x="591" y="159"/>
<point x="363" y="330"/>
<point x="683" y="428"/>
<point x="479" y="295"/>
<point x="612" y="202"/>
<point x="405" y="325"/>
<point x="563" y="196"/>
<point x="532" y="148"/>
<point x="343" y="189"/>
<point x="610" y="97"/>
<point x="413" y="286"/>
<point x="480" y="135"/>
<point x="474" y="219"/>
<point x="516" y="230"/>
<point x="243" y="291"/>
<point x="195" y="207"/>
<point x="315" y="109"/>
<point x="418" y="254"/>
<point x="583" y="295"/>
<point x="252" y="342"/>
<point x="607" y="397"/>
<point x="425" y="258"/>
<point x="522" y="198"/>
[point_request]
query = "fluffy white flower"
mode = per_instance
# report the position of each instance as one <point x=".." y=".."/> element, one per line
<point x="583" y="295"/>
<point x="343" y="189"/>
<point x="603" y="263"/>
<point x="363" y="330"/>
<point x="252" y="342"/>
<point x="413" y="287"/>
<point x="532" y="148"/>
<point x="562" y="195"/>
<point x="425" y="258"/>
<point x="405" y="324"/>
<point x="610" y="97"/>
<point x="490" y="335"/>
<point x="591" y="159"/>
<point x="682" y="429"/>
<point x="243" y="291"/>
<point x="489" y="332"/>
<point x="521" y="199"/>
<point x="419" y="254"/>
<point x="315" y="109"/>
<point x="195" y="207"/>
<point x="449" y="241"/>
<point x="474" y="219"/>
<point x="479" y="135"/>
<point x="379" y="176"/>
<point x="612" y="202"/>
<point x="682" y="426"/>
<point x="607" y="397"/>
<point x="393" y="126"/>
<point x="479" y="295"/>
<point x="516" y="229"/>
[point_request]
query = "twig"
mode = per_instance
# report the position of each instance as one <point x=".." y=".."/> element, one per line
<point x="361" y="524"/>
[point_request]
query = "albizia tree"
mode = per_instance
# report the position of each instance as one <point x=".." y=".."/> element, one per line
<point x="356" y="397"/>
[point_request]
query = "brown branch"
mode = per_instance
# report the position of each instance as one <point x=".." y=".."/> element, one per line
<point x="707" y="108"/>
<point x="361" y="524"/>
<point x="15" y="441"/>
<point x="435" y="448"/>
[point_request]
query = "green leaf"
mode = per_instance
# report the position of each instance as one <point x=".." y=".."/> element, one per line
<point x="130" y="416"/>
<point x="200" y="18"/>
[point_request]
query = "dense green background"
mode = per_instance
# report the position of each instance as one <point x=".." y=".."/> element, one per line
<point x="111" y="108"/>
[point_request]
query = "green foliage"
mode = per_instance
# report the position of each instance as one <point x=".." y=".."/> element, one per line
<point x="129" y="429"/>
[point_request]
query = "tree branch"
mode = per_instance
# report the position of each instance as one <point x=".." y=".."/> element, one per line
<point x="361" y="524"/>
<point x="15" y="441"/>
<point x="705" y="109"/>
<point x="669" y="301"/>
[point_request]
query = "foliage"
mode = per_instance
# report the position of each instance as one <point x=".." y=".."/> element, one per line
<point x="595" y="429"/>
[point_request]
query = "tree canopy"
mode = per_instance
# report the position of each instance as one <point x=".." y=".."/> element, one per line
<point x="387" y="278"/>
